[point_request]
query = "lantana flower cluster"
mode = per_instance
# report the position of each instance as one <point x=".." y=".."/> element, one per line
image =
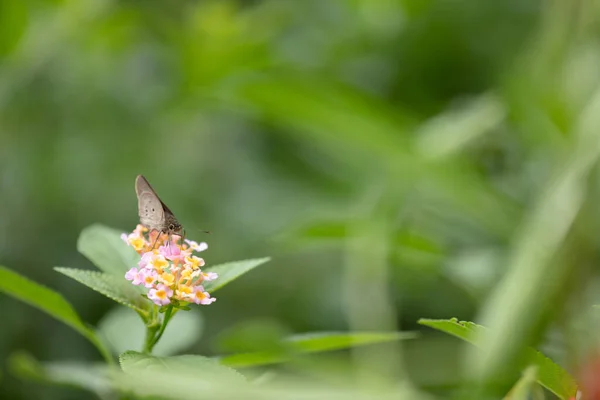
<point x="169" y="269"/>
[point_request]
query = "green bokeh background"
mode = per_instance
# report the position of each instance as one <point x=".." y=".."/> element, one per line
<point x="396" y="158"/>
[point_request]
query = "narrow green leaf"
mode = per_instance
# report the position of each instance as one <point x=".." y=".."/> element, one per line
<point x="92" y="377"/>
<point x="549" y="374"/>
<point x="327" y="341"/>
<point x="542" y="250"/>
<point x="41" y="298"/>
<point x="110" y="286"/>
<point x="332" y="232"/>
<point x="323" y="230"/>
<point x="48" y="301"/>
<point x="447" y="133"/>
<point x="331" y="115"/>
<point x="232" y="270"/>
<point x="312" y="343"/>
<point x="524" y="386"/>
<point x="252" y="335"/>
<point x="104" y="247"/>
<point x="196" y="368"/>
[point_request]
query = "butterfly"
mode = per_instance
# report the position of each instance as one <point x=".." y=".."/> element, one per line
<point x="154" y="214"/>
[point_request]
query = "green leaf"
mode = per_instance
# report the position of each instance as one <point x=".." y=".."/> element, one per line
<point x="323" y="230"/>
<point x="446" y="134"/>
<point x="124" y="330"/>
<point x="48" y="301"/>
<point x="14" y="16"/>
<point x="40" y="297"/>
<point x="104" y="247"/>
<point x="327" y="341"/>
<point x="524" y="386"/>
<point x="312" y="343"/>
<point x="196" y="368"/>
<point x="252" y="335"/>
<point x="229" y="271"/>
<point x="332" y="116"/>
<point x="110" y="286"/>
<point x="549" y="374"/>
<point x="92" y="377"/>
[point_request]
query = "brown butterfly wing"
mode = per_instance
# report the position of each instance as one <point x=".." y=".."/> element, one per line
<point x="170" y="218"/>
<point x="151" y="209"/>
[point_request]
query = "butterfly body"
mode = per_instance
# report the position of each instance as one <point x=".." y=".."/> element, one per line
<point x="153" y="213"/>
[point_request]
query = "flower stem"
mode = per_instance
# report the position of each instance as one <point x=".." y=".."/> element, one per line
<point x="150" y="333"/>
<point x="152" y="326"/>
<point x="155" y="339"/>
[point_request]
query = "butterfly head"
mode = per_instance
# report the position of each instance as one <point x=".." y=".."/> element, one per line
<point x="175" y="228"/>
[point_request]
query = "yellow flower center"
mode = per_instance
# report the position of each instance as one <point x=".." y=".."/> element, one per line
<point x="137" y="243"/>
<point x="160" y="263"/>
<point x="200" y="295"/>
<point x="194" y="262"/>
<point x="168" y="278"/>
<point x="183" y="291"/>
<point x="149" y="279"/>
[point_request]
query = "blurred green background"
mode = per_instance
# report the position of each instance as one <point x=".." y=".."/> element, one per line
<point x="398" y="159"/>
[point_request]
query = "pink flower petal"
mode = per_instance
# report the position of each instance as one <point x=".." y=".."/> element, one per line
<point x="146" y="258"/>
<point x="203" y="298"/>
<point x="131" y="274"/>
<point x="196" y="246"/>
<point x="210" y="276"/>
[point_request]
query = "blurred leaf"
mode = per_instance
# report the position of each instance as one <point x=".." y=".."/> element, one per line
<point x="110" y="286"/>
<point x="512" y="311"/>
<point x="196" y="377"/>
<point x="14" y="16"/>
<point x="195" y="368"/>
<point x="337" y="231"/>
<point x="124" y="331"/>
<point x="231" y="38"/>
<point x="448" y="133"/>
<point x="549" y="374"/>
<point x="256" y="335"/>
<point x="92" y="377"/>
<point x="468" y="196"/>
<point x="317" y="231"/>
<point x="189" y="377"/>
<point x="327" y="341"/>
<point x="49" y="301"/>
<point x="312" y="343"/>
<point x="524" y="386"/>
<point x="231" y="271"/>
<point x="333" y="115"/>
<point x="188" y="382"/>
<point x="475" y="269"/>
<point x="104" y="247"/>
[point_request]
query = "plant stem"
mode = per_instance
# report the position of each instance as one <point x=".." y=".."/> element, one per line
<point x="151" y="328"/>
<point x="166" y="318"/>
<point x="150" y="333"/>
